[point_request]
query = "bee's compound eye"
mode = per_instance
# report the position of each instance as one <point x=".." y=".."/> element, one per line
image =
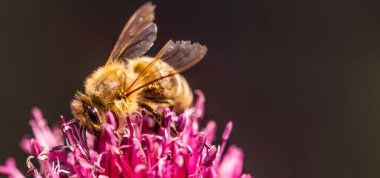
<point x="92" y="114"/>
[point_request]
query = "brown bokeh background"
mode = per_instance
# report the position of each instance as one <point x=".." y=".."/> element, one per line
<point x="299" y="79"/>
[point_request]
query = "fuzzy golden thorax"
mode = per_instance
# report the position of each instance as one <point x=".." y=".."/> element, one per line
<point x="102" y="91"/>
<point x="106" y="84"/>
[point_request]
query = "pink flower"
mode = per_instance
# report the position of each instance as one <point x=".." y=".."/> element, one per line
<point x="142" y="149"/>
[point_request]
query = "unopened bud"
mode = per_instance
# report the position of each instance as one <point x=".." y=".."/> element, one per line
<point x="227" y="131"/>
<point x="110" y="137"/>
<point x="110" y="118"/>
<point x="201" y="142"/>
<point x="166" y="111"/>
<point x="168" y="120"/>
<point x="37" y="114"/>
<point x="181" y="122"/>
<point x="36" y="148"/>
<point x="210" y="156"/>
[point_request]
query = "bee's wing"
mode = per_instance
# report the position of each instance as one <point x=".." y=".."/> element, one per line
<point x="180" y="56"/>
<point x="137" y="36"/>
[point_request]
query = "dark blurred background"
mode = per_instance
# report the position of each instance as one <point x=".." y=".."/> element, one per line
<point x="299" y="79"/>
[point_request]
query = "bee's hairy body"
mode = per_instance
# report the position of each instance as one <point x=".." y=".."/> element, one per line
<point x="105" y="85"/>
<point x="130" y="81"/>
<point x="108" y="82"/>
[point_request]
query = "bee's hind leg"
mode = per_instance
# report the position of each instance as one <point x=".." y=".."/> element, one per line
<point x="158" y="118"/>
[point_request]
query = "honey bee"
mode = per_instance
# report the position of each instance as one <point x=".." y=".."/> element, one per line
<point x="130" y="81"/>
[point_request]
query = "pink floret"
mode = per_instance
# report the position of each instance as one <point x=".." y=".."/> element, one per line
<point x="141" y="150"/>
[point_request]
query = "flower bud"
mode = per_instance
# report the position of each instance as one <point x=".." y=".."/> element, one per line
<point x="110" y="136"/>
<point x="168" y="120"/>
<point x="181" y="123"/>
<point x="110" y="118"/>
<point x="227" y="131"/>
<point x="36" y="148"/>
<point x="201" y="142"/>
<point x="210" y="156"/>
<point x="166" y="111"/>
<point x="37" y="115"/>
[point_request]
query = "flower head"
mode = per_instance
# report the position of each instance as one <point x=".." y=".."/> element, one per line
<point x="141" y="150"/>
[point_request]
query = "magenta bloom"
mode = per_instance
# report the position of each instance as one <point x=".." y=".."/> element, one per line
<point x="141" y="150"/>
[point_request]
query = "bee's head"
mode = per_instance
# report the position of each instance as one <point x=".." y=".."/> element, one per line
<point x="90" y="115"/>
